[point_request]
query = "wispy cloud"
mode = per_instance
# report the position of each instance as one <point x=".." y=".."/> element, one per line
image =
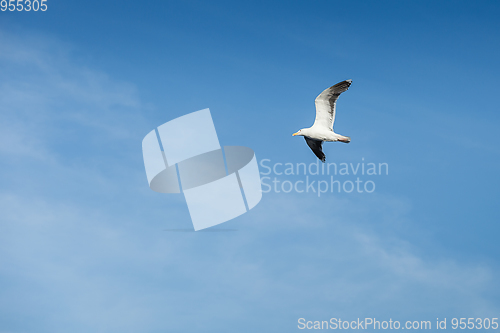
<point x="44" y="98"/>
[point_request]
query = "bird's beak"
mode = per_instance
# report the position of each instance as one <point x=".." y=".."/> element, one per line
<point x="294" y="134"/>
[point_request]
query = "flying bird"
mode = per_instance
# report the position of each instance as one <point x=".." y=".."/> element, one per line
<point x="322" y="129"/>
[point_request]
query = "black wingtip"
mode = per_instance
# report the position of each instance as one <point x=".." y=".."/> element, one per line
<point x="342" y="86"/>
<point x="319" y="154"/>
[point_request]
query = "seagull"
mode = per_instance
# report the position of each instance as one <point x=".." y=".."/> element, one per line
<point x="322" y="129"/>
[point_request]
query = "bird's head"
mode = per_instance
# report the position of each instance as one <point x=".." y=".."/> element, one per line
<point x="298" y="133"/>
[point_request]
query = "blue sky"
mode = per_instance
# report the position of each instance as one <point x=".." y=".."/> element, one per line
<point x="82" y="238"/>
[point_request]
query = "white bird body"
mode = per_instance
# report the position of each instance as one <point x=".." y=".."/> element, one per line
<point x="320" y="133"/>
<point x="322" y="129"/>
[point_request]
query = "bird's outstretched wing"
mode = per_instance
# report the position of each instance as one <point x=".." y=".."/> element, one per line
<point x="325" y="104"/>
<point x="316" y="147"/>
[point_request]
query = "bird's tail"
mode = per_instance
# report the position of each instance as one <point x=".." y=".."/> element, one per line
<point x="344" y="139"/>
